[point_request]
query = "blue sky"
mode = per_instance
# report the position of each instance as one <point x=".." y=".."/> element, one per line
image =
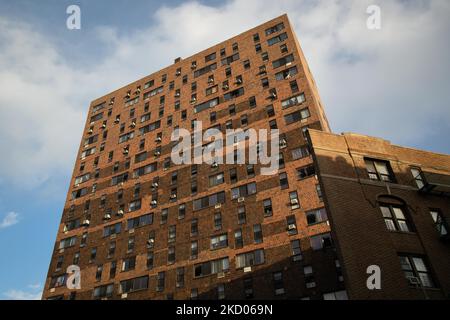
<point x="391" y="83"/>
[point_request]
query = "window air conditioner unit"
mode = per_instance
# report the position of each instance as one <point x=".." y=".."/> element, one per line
<point x="215" y="165"/>
<point x="158" y="139"/>
<point x="283" y="143"/>
<point x="414" y="281"/>
<point x="124" y="296"/>
<point x="125" y="151"/>
<point x="225" y="87"/>
<point x="128" y="95"/>
<point x="177" y="95"/>
<point x="178" y="73"/>
<point x="107" y="216"/>
<point x="273" y="95"/>
<point x="138" y="91"/>
<point x="220" y="275"/>
<point x="238" y="81"/>
<point x="117" y="120"/>
<point x="292" y="226"/>
<point x="120" y="212"/>
<point x="133" y="124"/>
<point x="210" y="80"/>
<point x="193" y="66"/>
<point x="173" y="196"/>
<point x="288" y="76"/>
<point x="155" y="185"/>
<point x="247" y="269"/>
<point x="85" y="223"/>
<point x="157" y="153"/>
<point x="294" y="201"/>
<point x="65" y="229"/>
<point x="241" y="199"/>
<point x="218" y="206"/>
<point x="288" y="64"/>
<point x="104" y="125"/>
<point x="90" y="131"/>
<point x="150" y="242"/>
<point x="154" y="202"/>
<point x="111" y="103"/>
<point x="193" y="100"/>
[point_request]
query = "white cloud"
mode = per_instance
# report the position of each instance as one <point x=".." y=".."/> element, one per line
<point x="10" y="219"/>
<point x="22" y="295"/>
<point x="391" y="83"/>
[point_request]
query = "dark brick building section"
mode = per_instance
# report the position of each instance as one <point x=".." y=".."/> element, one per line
<point x="388" y="206"/>
<point x="129" y="220"/>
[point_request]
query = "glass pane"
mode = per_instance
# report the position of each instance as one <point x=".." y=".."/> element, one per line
<point x="434" y="215"/>
<point x="419" y="264"/>
<point x="386" y="212"/>
<point x="399" y="213"/>
<point x="426" y="280"/>
<point x="390" y="224"/>
<point x="404" y="262"/>
<point x="370" y="167"/>
<point x="403" y="226"/>
<point x="382" y="168"/>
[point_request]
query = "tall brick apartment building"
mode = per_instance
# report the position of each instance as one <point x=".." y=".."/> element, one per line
<point x="140" y="227"/>
<point x="388" y="206"/>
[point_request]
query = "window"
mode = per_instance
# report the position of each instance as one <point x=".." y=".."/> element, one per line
<point x="284" y="184"/>
<point x="416" y="270"/>
<point x="418" y="177"/>
<point x="257" y="233"/>
<point x="277" y="39"/>
<point x="267" y="204"/>
<point x="219" y="242"/>
<point x="194" y="227"/>
<point x="286" y="74"/>
<point x="150" y="127"/>
<point x="265" y="83"/>
<point x="300" y="153"/>
<point x="270" y="111"/>
<point x="395" y="218"/>
<point x="128" y="264"/>
<point x="112" y="229"/>
<point x="150" y="260"/>
<point x="221" y="291"/>
<point x="273" y="124"/>
<point x="297" y="116"/>
<point x="265" y="56"/>
<point x="238" y="240"/>
<point x="211" y="267"/>
<point x="258" y="48"/>
<point x="153" y="92"/>
<point x="243" y="191"/>
<point x="338" y="295"/>
<point x="205" y="70"/>
<point x="293" y="200"/>
<point x="274" y="29"/>
<point x="206" y="105"/>
<point x="242" y="217"/>
<point x="134" y="205"/>
<point x="171" y="255"/>
<point x="229" y="60"/>
<point x="217" y="221"/>
<point x="210" y="57"/>
<point x="321" y="241"/>
<point x="247" y="64"/>
<point x="140" y="221"/>
<point x="180" y="277"/>
<point x="172" y="233"/>
<point x="250" y="259"/>
<point x="379" y="170"/>
<point x="67" y="242"/>
<point x="135" y="284"/>
<point x="181" y="211"/>
<point x="98" y="273"/>
<point x="209" y="201"/>
<point x="212" y="90"/>
<point x="244" y="120"/>
<point x="439" y="222"/>
<point x="278" y="283"/>
<point x="291" y="225"/>
<point x="194" y="294"/>
<point x="194" y="250"/>
<point x="296" y="250"/>
<point x="140" y="157"/>
<point x="250" y="170"/>
<point x="111" y="249"/>
<point x="93" y="255"/>
<point x="233" y="94"/>
<point x="216" y="179"/>
<point x="316" y="216"/>
<point x="283" y="61"/>
<point x="305" y="172"/>
<point x="319" y="192"/>
<point x="112" y="269"/>
<point x="119" y="179"/>
<point x="283" y="48"/>
<point x="145" y="170"/>
<point x="294" y="86"/>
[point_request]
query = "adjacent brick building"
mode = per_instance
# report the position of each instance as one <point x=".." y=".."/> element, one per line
<point x="140" y="227"/>
<point x="388" y="206"/>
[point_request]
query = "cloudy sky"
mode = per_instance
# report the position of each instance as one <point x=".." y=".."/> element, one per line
<point x="392" y="83"/>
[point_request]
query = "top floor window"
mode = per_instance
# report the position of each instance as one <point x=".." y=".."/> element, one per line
<point x="418" y="178"/>
<point x="379" y="170"/>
